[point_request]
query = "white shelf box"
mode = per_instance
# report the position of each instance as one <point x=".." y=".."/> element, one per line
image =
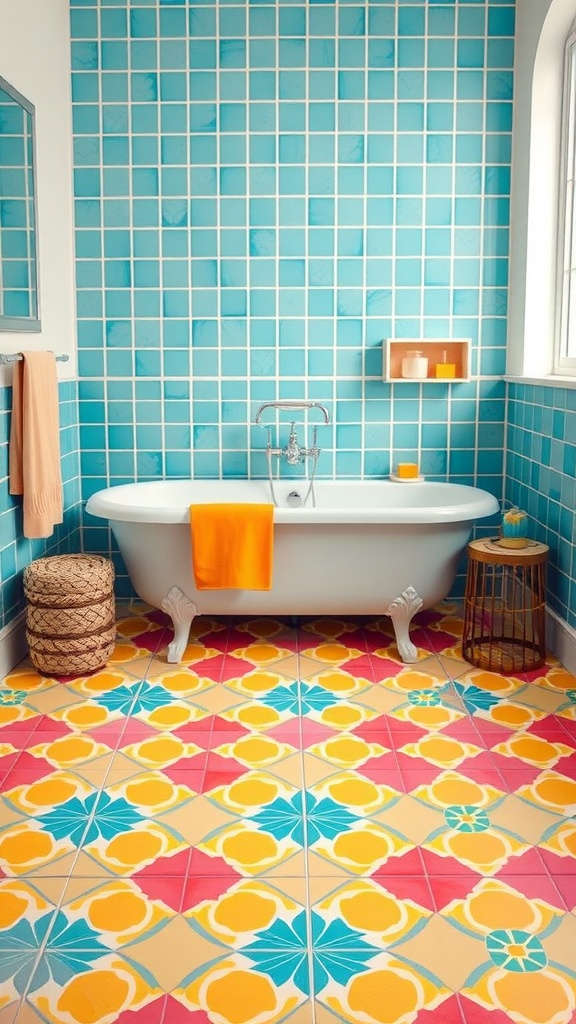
<point x="448" y="359"/>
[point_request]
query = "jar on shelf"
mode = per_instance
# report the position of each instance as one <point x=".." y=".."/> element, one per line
<point x="415" y="365"/>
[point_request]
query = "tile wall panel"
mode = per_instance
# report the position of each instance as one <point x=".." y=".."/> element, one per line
<point x="541" y="478"/>
<point x="263" y="193"/>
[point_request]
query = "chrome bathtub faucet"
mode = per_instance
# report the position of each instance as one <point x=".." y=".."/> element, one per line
<point x="293" y="452"/>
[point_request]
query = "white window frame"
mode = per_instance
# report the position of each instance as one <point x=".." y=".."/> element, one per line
<point x="565" y="326"/>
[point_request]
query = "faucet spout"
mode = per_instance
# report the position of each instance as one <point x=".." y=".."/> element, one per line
<point x="290" y="405"/>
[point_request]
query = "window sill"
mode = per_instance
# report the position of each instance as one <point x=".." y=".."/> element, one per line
<point x="550" y="381"/>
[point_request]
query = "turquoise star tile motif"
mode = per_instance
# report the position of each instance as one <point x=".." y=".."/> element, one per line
<point x="281" y="952"/>
<point x="325" y="818"/>
<point x="70" y="947"/>
<point x="98" y="816"/>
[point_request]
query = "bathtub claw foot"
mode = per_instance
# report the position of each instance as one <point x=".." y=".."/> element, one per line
<point x="182" y="611"/>
<point x="402" y="611"/>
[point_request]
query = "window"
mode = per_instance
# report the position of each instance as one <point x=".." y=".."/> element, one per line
<point x="565" y="347"/>
<point x="542" y="31"/>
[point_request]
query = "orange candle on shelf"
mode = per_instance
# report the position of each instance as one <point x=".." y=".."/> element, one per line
<point x="407" y="470"/>
<point x="445" y="369"/>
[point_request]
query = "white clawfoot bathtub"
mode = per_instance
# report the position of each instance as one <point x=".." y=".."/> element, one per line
<point x="367" y="547"/>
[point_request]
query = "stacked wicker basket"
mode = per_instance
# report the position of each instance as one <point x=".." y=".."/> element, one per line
<point x="70" y="620"/>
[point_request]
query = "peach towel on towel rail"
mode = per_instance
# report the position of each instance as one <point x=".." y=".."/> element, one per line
<point x="34" y="453"/>
<point x="232" y="545"/>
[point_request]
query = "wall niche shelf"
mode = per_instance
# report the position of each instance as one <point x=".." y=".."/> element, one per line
<point x="448" y="359"/>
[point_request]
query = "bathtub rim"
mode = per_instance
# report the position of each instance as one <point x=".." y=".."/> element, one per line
<point x="116" y="503"/>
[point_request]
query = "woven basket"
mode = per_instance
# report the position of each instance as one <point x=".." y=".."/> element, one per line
<point x="70" y="621"/>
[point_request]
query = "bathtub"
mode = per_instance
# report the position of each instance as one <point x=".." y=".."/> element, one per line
<point x="367" y="547"/>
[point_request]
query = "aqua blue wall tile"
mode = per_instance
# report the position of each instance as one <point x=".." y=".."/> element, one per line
<point x="282" y="187"/>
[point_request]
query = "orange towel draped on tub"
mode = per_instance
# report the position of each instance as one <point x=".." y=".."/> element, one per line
<point x="34" y="452"/>
<point x="232" y="546"/>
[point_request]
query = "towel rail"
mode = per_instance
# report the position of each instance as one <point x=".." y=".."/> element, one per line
<point x="17" y="356"/>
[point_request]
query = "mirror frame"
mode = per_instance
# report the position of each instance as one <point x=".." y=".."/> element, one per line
<point x="26" y="323"/>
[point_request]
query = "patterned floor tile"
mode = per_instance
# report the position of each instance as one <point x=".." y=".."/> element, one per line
<point x="289" y="826"/>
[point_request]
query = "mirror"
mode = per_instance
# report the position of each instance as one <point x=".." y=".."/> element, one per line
<point x="18" y="238"/>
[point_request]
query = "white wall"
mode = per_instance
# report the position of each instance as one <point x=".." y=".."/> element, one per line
<point x="35" y="59"/>
<point x="541" y="29"/>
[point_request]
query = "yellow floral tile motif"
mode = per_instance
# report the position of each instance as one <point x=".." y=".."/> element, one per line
<point x="112" y="986"/>
<point x="128" y="852"/>
<point x="19" y="901"/>
<point x="120" y="912"/>
<point x="6" y="749"/>
<point x="231" y="992"/>
<point x="344" y="716"/>
<point x="512" y="715"/>
<point x="347" y="750"/>
<point x="553" y="791"/>
<point x="370" y="909"/>
<point x="450" y="789"/>
<point x="484" y="851"/>
<point x="173" y="716"/>
<point x="255" y="751"/>
<point x="69" y="751"/>
<point x="27" y="679"/>
<point x="492" y="904"/>
<point x="135" y="626"/>
<point x="411" y="679"/>
<point x="197" y="652"/>
<point x="100" y="682"/>
<point x="261" y="653"/>
<point x="547" y="996"/>
<point x="256" y="716"/>
<point x="9" y="715"/>
<point x="407" y="993"/>
<point x="252" y="791"/>
<point x="340" y="683"/>
<point x="160" y="751"/>
<point x="125" y="652"/>
<point x="255" y="683"/>
<point x="533" y="750"/>
<point x="248" y="850"/>
<point x="151" y="793"/>
<point x="332" y="653"/>
<point x="432" y="718"/>
<point x="441" y="750"/>
<point x="363" y="849"/>
<point x="558" y="678"/>
<point x="182" y="684"/>
<point x="562" y="841"/>
<point x="359" y="794"/>
<point x="25" y="847"/>
<point x="492" y="682"/>
<point x="85" y="716"/>
<point x="51" y="791"/>
<point x="240" y="913"/>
